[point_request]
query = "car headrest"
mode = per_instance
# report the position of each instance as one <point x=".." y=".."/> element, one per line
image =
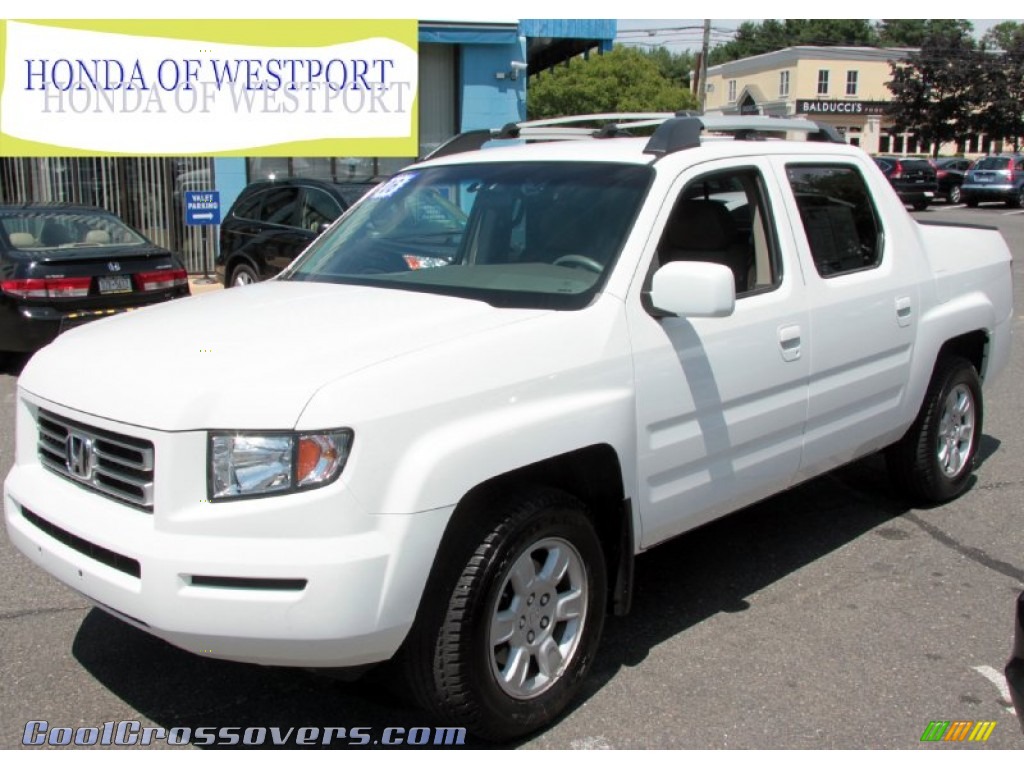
<point x="701" y="225"/>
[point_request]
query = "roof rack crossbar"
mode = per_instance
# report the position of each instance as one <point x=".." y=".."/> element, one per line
<point x="684" y="132"/>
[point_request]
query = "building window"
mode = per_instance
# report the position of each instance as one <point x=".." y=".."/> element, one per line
<point x="822" y="82"/>
<point x="732" y="90"/>
<point x="851" y="82"/>
<point x="784" y="83"/>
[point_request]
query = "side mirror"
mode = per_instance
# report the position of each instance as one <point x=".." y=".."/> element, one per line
<point x="693" y="289"/>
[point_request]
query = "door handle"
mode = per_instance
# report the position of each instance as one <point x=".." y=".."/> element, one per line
<point x="904" y="311"/>
<point x="789" y="342"/>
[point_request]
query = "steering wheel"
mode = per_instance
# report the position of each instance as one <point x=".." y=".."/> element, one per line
<point x="577" y="260"/>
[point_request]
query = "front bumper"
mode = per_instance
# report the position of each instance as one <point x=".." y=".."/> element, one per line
<point x="1015" y="667"/>
<point x="307" y="579"/>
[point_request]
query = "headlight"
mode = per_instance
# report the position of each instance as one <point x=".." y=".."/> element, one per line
<point x="258" y="464"/>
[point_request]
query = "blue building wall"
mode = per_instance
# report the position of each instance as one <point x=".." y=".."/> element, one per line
<point x="490" y="96"/>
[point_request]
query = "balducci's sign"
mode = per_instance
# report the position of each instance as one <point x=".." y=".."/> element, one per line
<point x="828" y="107"/>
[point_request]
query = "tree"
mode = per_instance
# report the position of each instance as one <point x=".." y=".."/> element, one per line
<point x="1003" y="35"/>
<point x="911" y="33"/>
<point x="1002" y="85"/>
<point x="674" y="67"/>
<point x="935" y="89"/>
<point x="623" y="80"/>
<point x="755" y="38"/>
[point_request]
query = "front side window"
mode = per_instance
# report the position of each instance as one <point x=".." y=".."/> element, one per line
<point x="524" y="234"/>
<point x="851" y="82"/>
<point x="318" y="209"/>
<point x="822" y="82"/>
<point x="724" y="218"/>
<point x="838" y="216"/>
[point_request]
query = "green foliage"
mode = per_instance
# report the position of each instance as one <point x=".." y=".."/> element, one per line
<point x="911" y="33"/>
<point x="755" y="38"/>
<point x="624" y="80"/>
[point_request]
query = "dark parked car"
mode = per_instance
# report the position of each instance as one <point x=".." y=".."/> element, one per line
<point x="950" y="172"/>
<point x="913" y="179"/>
<point x="999" y="178"/>
<point x="272" y="222"/>
<point x="1015" y="668"/>
<point x="62" y="265"/>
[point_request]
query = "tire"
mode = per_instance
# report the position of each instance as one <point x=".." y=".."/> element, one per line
<point x="243" y="275"/>
<point x="934" y="460"/>
<point x="972" y="203"/>
<point x="489" y="649"/>
<point x="954" y="195"/>
<point x="921" y="205"/>
<point x="1018" y="200"/>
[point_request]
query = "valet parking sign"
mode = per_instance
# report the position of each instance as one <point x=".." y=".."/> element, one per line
<point x="209" y="87"/>
<point x="202" y="208"/>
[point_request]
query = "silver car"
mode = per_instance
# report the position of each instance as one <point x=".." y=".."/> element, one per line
<point x="995" y="178"/>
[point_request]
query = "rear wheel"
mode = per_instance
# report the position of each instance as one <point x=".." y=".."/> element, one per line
<point x="971" y="203"/>
<point x="921" y="205"/>
<point x="934" y="460"/>
<point x="1018" y="200"/>
<point x="504" y="646"/>
<point x="243" y="274"/>
<point x="954" y="194"/>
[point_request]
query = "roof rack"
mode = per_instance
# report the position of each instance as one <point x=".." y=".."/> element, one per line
<point x="675" y="132"/>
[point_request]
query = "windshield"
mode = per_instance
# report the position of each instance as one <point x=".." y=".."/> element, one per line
<point x="55" y="230"/>
<point x="511" y="234"/>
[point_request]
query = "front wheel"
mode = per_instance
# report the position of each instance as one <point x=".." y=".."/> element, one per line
<point x="934" y="460"/>
<point x="1017" y="201"/>
<point x="503" y="650"/>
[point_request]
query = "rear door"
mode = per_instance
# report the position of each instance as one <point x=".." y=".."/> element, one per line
<point x="863" y="303"/>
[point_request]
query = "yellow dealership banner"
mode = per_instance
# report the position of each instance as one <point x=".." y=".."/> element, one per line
<point x="209" y="87"/>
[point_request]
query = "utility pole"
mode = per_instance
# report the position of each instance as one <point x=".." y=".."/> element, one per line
<point x="703" y="78"/>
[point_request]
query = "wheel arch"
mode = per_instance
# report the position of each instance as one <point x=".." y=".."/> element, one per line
<point x="592" y="474"/>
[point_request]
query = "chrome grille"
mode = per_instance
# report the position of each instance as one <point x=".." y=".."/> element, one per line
<point x="115" y="465"/>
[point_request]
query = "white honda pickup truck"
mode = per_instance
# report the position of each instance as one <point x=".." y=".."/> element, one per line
<point x="441" y="436"/>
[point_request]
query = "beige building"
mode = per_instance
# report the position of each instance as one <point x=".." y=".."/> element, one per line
<point x="844" y="87"/>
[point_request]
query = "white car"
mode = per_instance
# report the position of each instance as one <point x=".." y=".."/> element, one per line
<point x="445" y="445"/>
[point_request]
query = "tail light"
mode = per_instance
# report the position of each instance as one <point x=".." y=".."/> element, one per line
<point x="897" y="170"/>
<point x="941" y="174"/>
<point x="47" y="288"/>
<point x="161" y="280"/>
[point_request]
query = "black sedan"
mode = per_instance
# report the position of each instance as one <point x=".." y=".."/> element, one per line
<point x="949" y="173"/>
<point x="62" y="265"/>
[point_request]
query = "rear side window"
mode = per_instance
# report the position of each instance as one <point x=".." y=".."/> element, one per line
<point x="280" y="204"/>
<point x="318" y="209"/>
<point x="249" y="207"/>
<point x="839" y="218"/>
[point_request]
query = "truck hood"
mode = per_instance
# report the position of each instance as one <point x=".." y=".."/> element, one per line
<point x="248" y="358"/>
